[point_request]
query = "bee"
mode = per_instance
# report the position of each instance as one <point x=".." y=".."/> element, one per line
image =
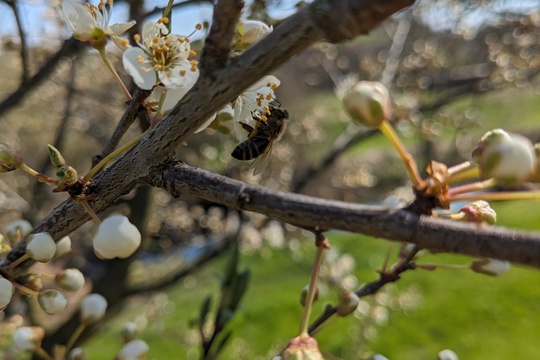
<point x="258" y="145"/>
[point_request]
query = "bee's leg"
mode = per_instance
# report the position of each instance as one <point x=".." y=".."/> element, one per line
<point x="247" y="127"/>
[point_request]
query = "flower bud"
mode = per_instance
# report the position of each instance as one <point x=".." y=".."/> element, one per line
<point x="303" y="347"/>
<point x="63" y="246"/>
<point x="77" y="354"/>
<point x="9" y="159"/>
<point x="379" y="357"/>
<point x="57" y="160"/>
<point x="18" y="229"/>
<point x="508" y="158"/>
<point x="491" y="267"/>
<point x="93" y="308"/>
<point x="448" y="355"/>
<point x="368" y="103"/>
<point x="304" y="294"/>
<point x="479" y="212"/>
<point x="348" y="302"/>
<point x="250" y="32"/>
<point x="28" y="337"/>
<point x="70" y="279"/>
<point x="52" y="301"/>
<point x="41" y="247"/>
<point x="133" y="350"/>
<point x="129" y="331"/>
<point x="68" y="175"/>
<point x="6" y="292"/>
<point x="5" y="246"/>
<point x="116" y="237"/>
<point x="34" y="282"/>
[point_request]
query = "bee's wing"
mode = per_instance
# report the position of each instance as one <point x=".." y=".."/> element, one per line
<point x="261" y="162"/>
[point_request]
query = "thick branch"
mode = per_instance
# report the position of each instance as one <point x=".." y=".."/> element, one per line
<point x="290" y="38"/>
<point x="392" y="224"/>
<point x="217" y="45"/>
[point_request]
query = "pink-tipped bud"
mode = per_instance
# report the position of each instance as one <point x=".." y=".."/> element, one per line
<point x="479" y="212"/>
<point x="490" y="267"/>
<point x="303" y="347"/>
<point x="509" y="158"/>
<point x="368" y="103"/>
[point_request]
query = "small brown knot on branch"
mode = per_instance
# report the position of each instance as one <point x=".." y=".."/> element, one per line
<point x="321" y="240"/>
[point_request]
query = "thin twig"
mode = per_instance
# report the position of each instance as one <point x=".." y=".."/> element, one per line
<point x="24" y="47"/>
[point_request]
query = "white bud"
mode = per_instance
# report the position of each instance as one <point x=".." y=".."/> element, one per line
<point x="250" y="32"/>
<point x="116" y="237"/>
<point x="348" y="302"/>
<point x="133" y="350"/>
<point x="129" y="331"/>
<point x="28" y="338"/>
<point x="18" y="226"/>
<point x="70" y="279"/>
<point x="379" y="357"/>
<point x="52" y="301"/>
<point x="93" y="308"/>
<point x="368" y="103"/>
<point x="448" y="355"/>
<point x="41" y="247"/>
<point x="304" y="294"/>
<point x="6" y="292"/>
<point x="491" y="267"/>
<point x="63" y="246"/>
<point x="507" y="157"/>
<point x="77" y="354"/>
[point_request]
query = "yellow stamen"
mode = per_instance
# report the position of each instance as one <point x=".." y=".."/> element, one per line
<point x="164" y="20"/>
<point x="144" y="68"/>
<point x="192" y="53"/>
<point x="137" y="37"/>
<point x="198" y="26"/>
<point x="140" y="58"/>
<point x="182" y="73"/>
<point x="124" y="42"/>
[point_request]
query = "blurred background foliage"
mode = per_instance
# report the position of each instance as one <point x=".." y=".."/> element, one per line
<point x="450" y="81"/>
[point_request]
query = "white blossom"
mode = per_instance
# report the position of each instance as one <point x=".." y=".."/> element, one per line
<point x="116" y="237"/>
<point x="41" y="247"/>
<point x="77" y="354"/>
<point x="129" y="331"/>
<point x="28" y="337"/>
<point x="93" y="308"/>
<point x="6" y="292"/>
<point x="161" y="57"/>
<point x="52" y="301"/>
<point x="91" y="23"/>
<point x="256" y="98"/>
<point x="70" y="279"/>
<point x="133" y="350"/>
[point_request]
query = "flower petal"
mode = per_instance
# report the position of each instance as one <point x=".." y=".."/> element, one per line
<point x="152" y="30"/>
<point x="179" y="76"/>
<point x="145" y="79"/>
<point x="120" y="28"/>
<point x="78" y="18"/>
<point x="172" y="97"/>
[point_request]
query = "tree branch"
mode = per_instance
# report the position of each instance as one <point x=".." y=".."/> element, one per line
<point x="24" y="48"/>
<point x="313" y="213"/>
<point x="205" y="98"/>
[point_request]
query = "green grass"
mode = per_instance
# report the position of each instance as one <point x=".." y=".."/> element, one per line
<point x="478" y="316"/>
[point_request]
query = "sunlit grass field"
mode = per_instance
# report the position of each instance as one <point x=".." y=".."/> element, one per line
<point x="477" y="316"/>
